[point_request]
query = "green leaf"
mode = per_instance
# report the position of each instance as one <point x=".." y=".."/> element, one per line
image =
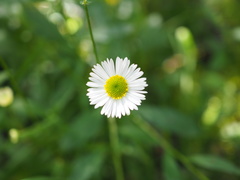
<point x="88" y="166"/>
<point x="3" y="76"/>
<point x="40" y="24"/>
<point x="170" y="168"/>
<point x="58" y="101"/>
<point x="85" y="127"/>
<point x="42" y="178"/>
<point x="170" y="120"/>
<point x="213" y="162"/>
<point x="129" y="132"/>
<point x="46" y="126"/>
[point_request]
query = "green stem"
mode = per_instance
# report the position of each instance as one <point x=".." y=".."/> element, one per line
<point x="113" y="135"/>
<point x="85" y="3"/>
<point x="148" y="129"/>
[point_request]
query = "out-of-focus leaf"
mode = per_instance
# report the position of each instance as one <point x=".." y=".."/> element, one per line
<point x="46" y="126"/>
<point x="170" y="120"/>
<point x="212" y="80"/>
<point x="40" y="24"/>
<point x="3" y="76"/>
<point x="60" y="98"/>
<point x="42" y="178"/>
<point x="85" y="127"/>
<point x="213" y="162"/>
<point x="18" y="157"/>
<point x="88" y="166"/>
<point x="170" y="168"/>
<point x="131" y="133"/>
<point x="138" y="163"/>
<point x="137" y="152"/>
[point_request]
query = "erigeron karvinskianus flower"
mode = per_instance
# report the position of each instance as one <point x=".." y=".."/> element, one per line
<point x="116" y="87"/>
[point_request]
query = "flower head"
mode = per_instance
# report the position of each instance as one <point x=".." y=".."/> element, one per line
<point x="116" y="87"/>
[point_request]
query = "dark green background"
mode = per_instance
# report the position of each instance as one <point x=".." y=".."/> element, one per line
<point x="189" y="51"/>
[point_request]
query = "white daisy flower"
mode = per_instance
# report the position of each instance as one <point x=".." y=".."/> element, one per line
<point x="116" y="87"/>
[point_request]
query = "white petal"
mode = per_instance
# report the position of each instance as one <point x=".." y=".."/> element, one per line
<point x="137" y="81"/>
<point x="131" y="105"/>
<point x="92" y="79"/>
<point x="96" y="95"/>
<point x="114" y="109"/>
<point x="133" y="99"/>
<point x="104" y="107"/>
<point x="120" y="109"/>
<point x="112" y="67"/>
<point x="141" y="92"/>
<point x="98" y="70"/>
<point x="130" y="70"/>
<point x="92" y="74"/>
<point x="92" y="84"/>
<point x="96" y="100"/>
<point x="118" y="66"/>
<point x="140" y="84"/>
<point x="101" y="102"/>
<point x="125" y="67"/>
<point x="137" y="88"/>
<point x="108" y="66"/>
<point x="137" y="95"/>
<point x="125" y="105"/>
<point x="128" y="105"/>
<point x="135" y="75"/>
<point x="100" y="89"/>
<point x="107" y="108"/>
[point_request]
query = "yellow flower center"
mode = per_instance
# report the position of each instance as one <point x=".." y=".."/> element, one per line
<point x="116" y="87"/>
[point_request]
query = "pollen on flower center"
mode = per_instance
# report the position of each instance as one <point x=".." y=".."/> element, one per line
<point x="116" y="87"/>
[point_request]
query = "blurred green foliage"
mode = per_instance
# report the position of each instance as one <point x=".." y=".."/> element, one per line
<point x="189" y="51"/>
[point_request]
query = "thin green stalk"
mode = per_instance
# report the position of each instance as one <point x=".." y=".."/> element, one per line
<point x="85" y="3"/>
<point x="148" y="129"/>
<point x="113" y="135"/>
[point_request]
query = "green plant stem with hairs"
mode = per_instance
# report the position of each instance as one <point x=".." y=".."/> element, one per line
<point x="113" y="129"/>
<point x="148" y="129"/>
